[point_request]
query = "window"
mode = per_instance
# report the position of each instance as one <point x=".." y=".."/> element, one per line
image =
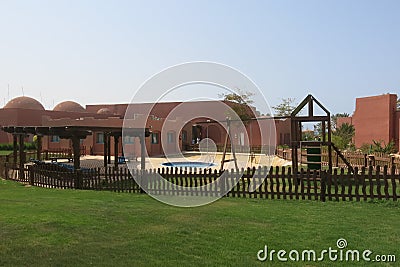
<point x="129" y="139"/>
<point x="184" y="136"/>
<point x="171" y="137"/>
<point x="55" y="139"/>
<point x="155" y="138"/>
<point x="241" y="140"/>
<point x="99" y="138"/>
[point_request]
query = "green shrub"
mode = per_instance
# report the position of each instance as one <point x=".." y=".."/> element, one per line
<point x="9" y="146"/>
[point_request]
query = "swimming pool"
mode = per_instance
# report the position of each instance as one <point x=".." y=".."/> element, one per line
<point x="192" y="164"/>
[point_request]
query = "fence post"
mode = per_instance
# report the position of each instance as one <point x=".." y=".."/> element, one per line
<point x="337" y="160"/>
<point x="31" y="175"/>
<point x="392" y="161"/>
<point x="323" y="185"/>
<point x="144" y="177"/>
<point x="6" y="170"/>
<point x="222" y="184"/>
<point x="78" y="179"/>
<point x="393" y="180"/>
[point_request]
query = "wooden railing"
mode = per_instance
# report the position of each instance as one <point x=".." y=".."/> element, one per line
<point x="356" y="159"/>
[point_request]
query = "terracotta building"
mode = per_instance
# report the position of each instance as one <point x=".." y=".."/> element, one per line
<point x="185" y="128"/>
<point x="375" y="118"/>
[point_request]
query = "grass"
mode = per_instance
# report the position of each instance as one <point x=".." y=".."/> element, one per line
<point x="5" y="152"/>
<point x="45" y="227"/>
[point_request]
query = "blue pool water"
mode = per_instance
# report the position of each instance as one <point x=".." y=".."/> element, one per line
<point x="193" y="164"/>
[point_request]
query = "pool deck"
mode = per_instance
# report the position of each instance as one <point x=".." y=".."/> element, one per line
<point x="244" y="160"/>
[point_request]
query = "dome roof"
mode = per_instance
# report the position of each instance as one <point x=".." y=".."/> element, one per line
<point x="105" y="111"/>
<point x="69" y="106"/>
<point x="24" y="102"/>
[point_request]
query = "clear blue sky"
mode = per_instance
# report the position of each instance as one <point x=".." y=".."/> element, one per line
<point x="102" y="51"/>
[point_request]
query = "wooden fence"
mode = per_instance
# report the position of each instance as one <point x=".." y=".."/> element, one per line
<point x="356" y="159"/>
<point x="59" y="153"/>
<point x="274" y="183"/>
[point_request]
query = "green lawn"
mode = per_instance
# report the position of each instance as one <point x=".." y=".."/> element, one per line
<point x="43" y="227"/>
<point x="5" y="152"/>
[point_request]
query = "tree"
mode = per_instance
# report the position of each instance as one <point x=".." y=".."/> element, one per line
<point x="380" y="146"/>
<point x="318" y="129"/>
<point x="343" y="136"/>
<point x="285" y="108"/>
<point x="244" y="97"/>
<point x="240" y="104"/>
<point x="335" y="117"/>
<point x="308" y="135"/>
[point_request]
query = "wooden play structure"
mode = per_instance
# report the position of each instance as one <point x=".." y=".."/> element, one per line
<point x="309" y="151"/>
<point x="304" y="152"/>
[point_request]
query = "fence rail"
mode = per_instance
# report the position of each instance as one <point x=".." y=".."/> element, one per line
<point x="59" y="153"/>
<point x="274" y="183"/>
<point x="356" y="159"/>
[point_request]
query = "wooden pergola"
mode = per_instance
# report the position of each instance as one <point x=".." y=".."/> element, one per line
<point x="75" y="134"/>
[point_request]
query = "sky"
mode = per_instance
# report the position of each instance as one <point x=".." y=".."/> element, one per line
<point x="103" y="51"/>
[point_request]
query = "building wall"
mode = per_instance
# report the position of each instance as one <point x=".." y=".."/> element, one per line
<point x="342" y="120"/>
<point x="397" y="129"/>
<point x="283" y="130"/>
<point x="184" y="120"/>
<point x="375" y="118"/>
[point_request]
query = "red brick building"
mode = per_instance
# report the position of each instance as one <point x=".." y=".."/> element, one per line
<point x="375" y="118"/>
<point x="26" y="111"/>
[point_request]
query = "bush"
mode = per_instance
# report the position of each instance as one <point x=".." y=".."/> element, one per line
<point x="6" y="147"/>
<point x="9" y="146"/>
<point x="379" y="147"/>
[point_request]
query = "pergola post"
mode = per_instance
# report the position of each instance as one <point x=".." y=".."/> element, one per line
<point x="21" y="156"/>
<point x="76" y="143"/>
<point x="39" y="147"/>
<point x="105" y="144"/>
<point x="109" y="149"/>
<point x="15" y="150"/>
<point x="116" y="141"/>
<point x="142" y="152"/>
<point x="74" y="134"/>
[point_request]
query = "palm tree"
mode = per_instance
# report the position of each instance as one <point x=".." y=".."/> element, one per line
<point x="380" y="146"/>
<point x="344" y="134"/>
